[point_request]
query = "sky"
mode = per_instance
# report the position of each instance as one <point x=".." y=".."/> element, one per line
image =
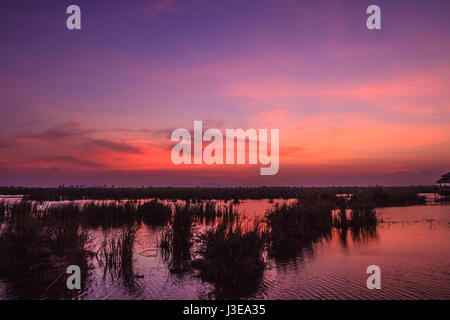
<point x="98" y="105"/>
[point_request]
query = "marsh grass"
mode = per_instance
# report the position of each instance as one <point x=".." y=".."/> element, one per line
<point x="361" y="215"/>
<point x="62" y="214"/>
<point x="115" y="254"/>
<point x="391" y="196"/>
<point x="384" y="197"/>
<point x="363" y="218"/>
<point x="3" y="207"/>
<point x="117" y="214"/>
<point x="230" y="256"/>
<point x="207" y="237"/>
<point x="154" y="213"/>
<point x="169" y="193"/>
<point x="109" y="214"/>
<point x="36" y="250"/>
<point x="295" y="226"/>
<point x="177" y="240"/>
<point x="310" y="219"/>
<point x="209" y="212"/>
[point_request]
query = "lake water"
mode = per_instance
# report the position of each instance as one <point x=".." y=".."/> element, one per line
<point x="411" y="246"/>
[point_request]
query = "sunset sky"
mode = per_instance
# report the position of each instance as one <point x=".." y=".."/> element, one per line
<point x="97" y="106"/>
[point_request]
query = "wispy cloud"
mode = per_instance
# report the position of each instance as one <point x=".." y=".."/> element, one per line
<point x="115" y="146"/>
<point x="61" y="131"/>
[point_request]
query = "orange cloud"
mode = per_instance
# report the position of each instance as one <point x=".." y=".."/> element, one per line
<point x="338" y="139"/>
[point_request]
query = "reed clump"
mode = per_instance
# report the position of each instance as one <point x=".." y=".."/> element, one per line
<point x="37" y="249"/>
<point x="112" y="214"/>
<point x="230" y="256"/>
<point x="65" y="214"/>
<point x="340" y="218"/>
<point x="126" y="213"/>
<point x="384" y="197"/>
<point x="292" y="227"/>
<point x="304" y="219"/>
<point x="363" y="218"/>
<point x="357" y="212"/>
<point x="177" y="240"/>
<point x="154" y="213"/>
<point x="2" y="211"/>
<point x="115" y="254"/>
<point x="210" y="211"/>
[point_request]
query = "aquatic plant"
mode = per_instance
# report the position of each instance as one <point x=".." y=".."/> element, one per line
<point x="177" y="240"/>
<point x="66" y="213"/>
<point x="2" y="211"/>
<point x="382" y="196"/>
<point x="115" y="254"/>
<point x="302" y="219"/>
<point x="363" y="218"/>
<point x="112" y="214"/>
<point x="369" y="198"/>
<point x="294" y="226"/>
<point x="230" y="256"/>
<point x="209" y="211"/>
<point x="154" y="213"/>
<point x="340" y="217"/>
<point x="38" y="251"/>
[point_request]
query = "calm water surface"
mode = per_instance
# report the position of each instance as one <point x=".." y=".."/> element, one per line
<point x="411" y="246"/>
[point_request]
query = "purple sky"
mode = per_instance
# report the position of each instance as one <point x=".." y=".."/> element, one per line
<point x="97" y="106"/>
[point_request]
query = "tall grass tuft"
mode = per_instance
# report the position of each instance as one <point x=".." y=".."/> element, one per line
<point x="2" y="211"/>
<point x="154" y="213"/>
<point x="115" y="254"/>
<point x="37" y="250"/>
<point x="113" y="214"/>
<point x="385" y="197"/>
<point x="177" y="240"/>
<point x="295" y="226"/>
<point x="230" y="256"/>
<point x="209" y="211"/>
